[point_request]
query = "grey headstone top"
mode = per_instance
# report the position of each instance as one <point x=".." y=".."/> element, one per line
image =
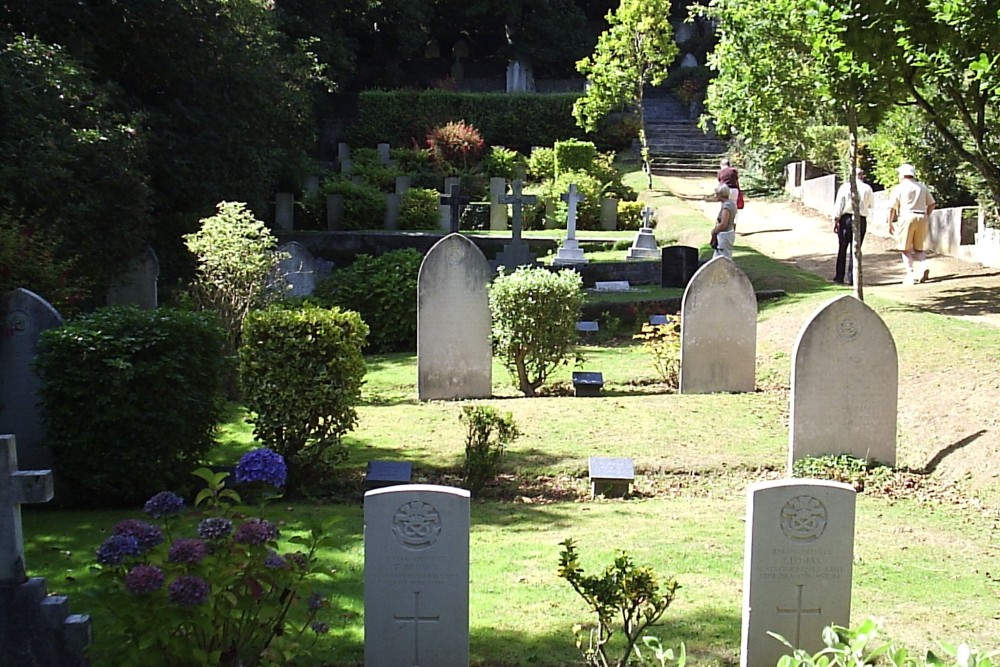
<point x="388" y="471"/>
<point x="587" y="326"/>
<point x="610" y="468"/>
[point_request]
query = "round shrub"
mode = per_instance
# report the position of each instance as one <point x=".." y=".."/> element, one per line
<point x="132" y="398"/>
<point x="301" y="372"/>
<point x="418" y="210"/>
<point x="501" y="162"/>
<point x="630" y="215"/>
<point x="364" y="205"/>
<point x="541" y="164"/>
<point x="383" y="290"/>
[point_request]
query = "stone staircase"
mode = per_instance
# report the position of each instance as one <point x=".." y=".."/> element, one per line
<point x="676" y="143"/>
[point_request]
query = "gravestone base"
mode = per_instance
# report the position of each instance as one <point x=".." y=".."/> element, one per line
<point x="514" y="255"/>
<point x="610" y="477"/>
<point x="37" y="630"/>
<point x="644" y="246"/>
<point x="569" y="253"/>
<point x="609" y="488"/>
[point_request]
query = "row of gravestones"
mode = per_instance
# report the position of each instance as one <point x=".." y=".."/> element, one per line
<point x="798" y="565"/>
<point x="844" y="366"/>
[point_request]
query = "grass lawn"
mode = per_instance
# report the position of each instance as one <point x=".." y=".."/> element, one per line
<point x="930" y="568"/>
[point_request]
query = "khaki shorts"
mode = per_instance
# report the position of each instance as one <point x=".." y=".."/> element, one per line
<point x="912" y="233"/>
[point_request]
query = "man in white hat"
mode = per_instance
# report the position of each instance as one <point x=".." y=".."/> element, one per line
<point x="911" y="204"/>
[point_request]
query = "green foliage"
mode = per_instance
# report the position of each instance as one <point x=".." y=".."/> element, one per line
<point x="28" y="259"/>
<point x="301" y="373"/>
<point x="630" y="215"/>
<point x="364" y="205"/>
<point x="404" y="117"/>
<point x="131" y="398"/>
<point x="262" y="604"/>
<point x="72" y="169"/>
<point x="383" y="290"/>
<point x="541" y="164"/>
<point x="456" y="145"/>
<point x="623" y="593"/>
<point x="236" y="257"/>
<point x="419" y="210"/>
<point x="574" y="155"/>
<point x="663" y="342"/>
<point x="535" y="312"/>
<point x="588" y="212"/>
<point x="858" y="647"/>
<point x="501" y="162"/>
<point x="488" y="433"/>
<point x="827" y="147"/>
<point x="844" y="468"/>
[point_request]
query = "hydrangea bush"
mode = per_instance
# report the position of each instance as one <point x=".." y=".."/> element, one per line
<point x="211" y="586"/>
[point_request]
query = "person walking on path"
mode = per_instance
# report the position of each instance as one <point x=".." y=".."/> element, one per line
<point x="911" y="204"/>
<point x="724" y="231"/>
<point x="844" y="227"/>
<point x="729" y="176"/>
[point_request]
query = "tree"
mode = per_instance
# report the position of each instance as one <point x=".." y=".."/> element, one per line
<point x="634" y="52"/>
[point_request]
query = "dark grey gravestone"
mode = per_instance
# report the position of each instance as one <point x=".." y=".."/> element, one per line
<point x="380" y="474"/>
<point x="25" y="316"/>
<point x="517" y="252"/>
<point x="657" y="319"/>
<point x="392" y="203"/>
<point x="334" y="212"/>
<point x="610" y="477"/>
<point x="137" y="285"/>
<point x="587" y="327"/>
<point x="587" y="383"/>
<point x="284" y="211"/>
<point x="298" y="269"/>
<point x="455" y="201"/>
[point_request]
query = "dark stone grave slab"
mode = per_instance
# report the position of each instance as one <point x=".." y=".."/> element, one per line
<point x="587" y="383"/>
<point x="610" y="477"/>
<point x="657" y="319"/>
<point x="380" y="474"/>
<point x="587" y="327"/>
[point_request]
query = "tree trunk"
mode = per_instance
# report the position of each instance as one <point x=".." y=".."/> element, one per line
<point x="852" y="128"/>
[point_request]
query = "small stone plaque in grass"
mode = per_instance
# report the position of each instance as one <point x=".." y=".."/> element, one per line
<point x="587" y="383"/>
<point x="610" y="477"/>
<point x="380" y="474"/>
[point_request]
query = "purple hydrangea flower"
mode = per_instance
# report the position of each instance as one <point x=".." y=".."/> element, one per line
<point x="256" y="531"/>
<point x="315" y="602"/>
<point x="164" y="504"/>
<point x="319" y="627"/>
<point x="187" y="550"/>
<point x="298" y="559"/>
<point x="188" y="591"/>
<point x="274" y="561"/>
<point x="144" y="579"/>
<point x="116" y="549"/>
<point x="146" y="534"/>
<point x="262" y="465"/>
<point x="214" y="528"/>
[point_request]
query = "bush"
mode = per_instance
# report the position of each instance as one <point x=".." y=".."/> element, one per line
<point x="364" y="205"/>
<point x="574" y="155"/>
<point x="237" y="257"/>
<point x="487" y="436"/>
<point x="132" y="398"/>
<point x="663" y="342"/>
<point x="541" y="164"/>
<point x="588" y="212"/>
<point x="418" y="210"/>
<point x="535" y="312"/>
<point x="210" y="587"/>
<point x="29" y="259"/>
<point x="501" y="162"/>
<point x="630" y="215"/>
<point x="301" y="373"/>
<point x="456" y="144"/>
<point x="383" y="290"/>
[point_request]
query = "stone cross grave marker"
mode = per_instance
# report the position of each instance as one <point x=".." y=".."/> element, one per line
<point x="454" y="201"/>
<point x="797" y="566"/>
<point x="644" y="245"/>
<point x="844" y="385"/>
<point x="454" y="325"/>
<point x="517" y="252"/>
<point x="16" y="488"/>
<point x="24" y="315"/>
<point x="137" y="285"/>
<point x="569" y="252"/>
<point x="417" y="577"/>
<point x="610" y="477"/>
<point x="718" y="330"/>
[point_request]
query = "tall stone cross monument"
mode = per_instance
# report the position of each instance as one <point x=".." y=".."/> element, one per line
<point x="17" y="488"/>
<point x="454" y="201"/>
<point x="644" y="245"/>
<point x="517" y="252"/>
<point x="570" y="252"/>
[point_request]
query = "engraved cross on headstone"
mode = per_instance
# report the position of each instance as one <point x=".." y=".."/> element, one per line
<point x="572" y="198"/>
<point x="16" y="488"/>
<point x="416" y="619"/>
<point x="647" y="217"/>
<point x="455" y="200"/>
<point x="517" y="202"/>
<point x="798" y="611"/>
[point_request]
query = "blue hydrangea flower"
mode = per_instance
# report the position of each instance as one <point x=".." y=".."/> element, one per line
<point x="274" y="561"/>
<point x="144" y="579"/>
<point x="315" y="602"/>
<point x="188" y="591"/>
<point x="116" y="549"/>
<point x="214" y="528"/>
<point x="187" y="550"/>
<point x="256" y="532"/>
<point x="319" y="627"/>
<point x="147" y="535"/>
<point x="262" y="465"/>
<point x="164" y="504"/>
